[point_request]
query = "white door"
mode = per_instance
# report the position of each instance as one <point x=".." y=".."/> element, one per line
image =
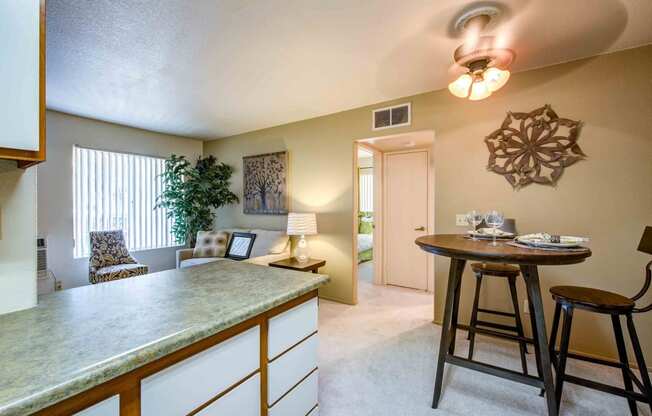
<point x="406" y="218"/>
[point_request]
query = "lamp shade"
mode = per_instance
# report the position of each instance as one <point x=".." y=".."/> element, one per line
<point x="302" y="223"/>
<point x="460" y="87"/>
<point x="495" y="78"/>
<point x="479" y="90"/>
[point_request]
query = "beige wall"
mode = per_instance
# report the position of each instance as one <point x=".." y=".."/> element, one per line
<point x="607" y="197"/>
<point x="55" y="211"/>
<point x="17" y="237"/>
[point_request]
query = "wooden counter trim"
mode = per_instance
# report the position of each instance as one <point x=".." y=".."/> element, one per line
<point x="294" y="387"/>
<point x="313" y="408"/>
<point x="27" y="158"/>
<point x="224" y="393"/>
<point x="290" y="348"/>
<point x="264" y="364"/>
<point x="128" y="384"/>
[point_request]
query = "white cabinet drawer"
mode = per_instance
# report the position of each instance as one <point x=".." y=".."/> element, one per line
<point x="108" y="407"/>
<point x="291" y="326"/>
<point x="183" y="387"/>
<point x="288" y="369"/>
<point x="300" y="400"/>
<point x="244" y="400"/>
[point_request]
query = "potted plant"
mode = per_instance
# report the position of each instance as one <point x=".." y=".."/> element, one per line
<point x="192" y="193"/>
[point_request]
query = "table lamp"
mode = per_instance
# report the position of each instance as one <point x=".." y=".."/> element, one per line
<point x="302" y="224"/>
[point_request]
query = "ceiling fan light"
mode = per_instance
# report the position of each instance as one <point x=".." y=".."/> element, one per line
<point x="460" y="87"/>
<point x="495" y="78"/>
<point x="479" y="90"/>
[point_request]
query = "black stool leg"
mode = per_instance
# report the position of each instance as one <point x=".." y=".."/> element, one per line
<point x="563" y="351"/>
<point x="553" y="335"/>
<point x="474" y="313"/>
<point x="645" y="377"/>
<point x="537" y="351"/>
<point x="519" y="324"/>
<point x="622" y="354"/>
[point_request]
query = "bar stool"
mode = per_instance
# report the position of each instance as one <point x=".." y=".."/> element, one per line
<point x="568" y="298"/>
<point x="510" y="273"/>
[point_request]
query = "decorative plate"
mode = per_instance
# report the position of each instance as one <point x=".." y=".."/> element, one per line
<point x="546" y="240"/>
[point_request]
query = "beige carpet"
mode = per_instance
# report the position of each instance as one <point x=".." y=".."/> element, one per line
<point x="378" y="358"/>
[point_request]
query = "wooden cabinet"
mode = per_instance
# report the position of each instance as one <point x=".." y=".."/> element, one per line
<point x="22" y="81"/>
<point x="244" y="400"/>
<point x="264" y="366"/>
<point x="300" y="401"/>
<point x="187" y="385"/>
<point x="292" y="368"/>
<point x="292" y="326"/>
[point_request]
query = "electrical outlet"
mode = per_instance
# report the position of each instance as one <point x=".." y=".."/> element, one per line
<point x="526" y="307"/>
<point x="460" y="220"/>
<point x="58" y="285"/>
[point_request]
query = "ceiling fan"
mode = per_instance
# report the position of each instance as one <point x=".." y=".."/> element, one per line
<point x="484" y="68"/>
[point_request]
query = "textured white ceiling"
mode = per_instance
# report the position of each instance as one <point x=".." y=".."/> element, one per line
<point x="214" y="68"/>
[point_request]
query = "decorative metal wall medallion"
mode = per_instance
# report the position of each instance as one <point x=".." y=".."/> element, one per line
<point x="534" y="147"/>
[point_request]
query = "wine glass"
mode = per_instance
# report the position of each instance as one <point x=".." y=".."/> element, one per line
<point x="494" y="219"/>
<point x="474" y="218"/>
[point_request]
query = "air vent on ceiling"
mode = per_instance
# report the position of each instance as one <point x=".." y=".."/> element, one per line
<point x="394" y="116"/>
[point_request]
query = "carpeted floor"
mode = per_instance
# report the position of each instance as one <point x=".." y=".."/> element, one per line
<point x="378" y="358"/>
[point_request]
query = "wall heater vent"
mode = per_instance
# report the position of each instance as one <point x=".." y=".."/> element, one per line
<point x="42" y="257"/>
<point x="389" y="117"/>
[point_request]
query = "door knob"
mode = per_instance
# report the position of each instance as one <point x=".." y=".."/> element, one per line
<point x="422" y="228"/>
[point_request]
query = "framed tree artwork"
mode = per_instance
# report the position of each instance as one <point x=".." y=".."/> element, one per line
<point x="265" y="184"/>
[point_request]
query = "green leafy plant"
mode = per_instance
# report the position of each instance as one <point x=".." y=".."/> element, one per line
<point x="192" y="193"/>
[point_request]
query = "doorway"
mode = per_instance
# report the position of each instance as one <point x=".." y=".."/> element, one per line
<point x="394" y="204"/>
<point x="366" y="223"/>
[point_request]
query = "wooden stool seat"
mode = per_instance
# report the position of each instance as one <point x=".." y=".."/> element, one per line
<point x="595" y="300"/>
<point x="569" y="298"/>
<point x="496" y="269"/>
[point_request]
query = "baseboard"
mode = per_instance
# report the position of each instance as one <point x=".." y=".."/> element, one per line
<point x="600" y="357"/>
<point x="336" y="300"/>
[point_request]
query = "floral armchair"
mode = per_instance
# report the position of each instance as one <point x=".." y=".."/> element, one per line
<point x="110" y="259"/>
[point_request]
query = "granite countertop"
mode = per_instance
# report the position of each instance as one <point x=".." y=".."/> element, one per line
<point x="79" y="338"/>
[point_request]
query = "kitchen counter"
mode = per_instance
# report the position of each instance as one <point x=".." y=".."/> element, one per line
<point x="79" y="338"/>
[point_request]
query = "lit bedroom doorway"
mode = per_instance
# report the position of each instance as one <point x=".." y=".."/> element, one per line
<point x="393" y="175"/>
<point x="365" y="224"/>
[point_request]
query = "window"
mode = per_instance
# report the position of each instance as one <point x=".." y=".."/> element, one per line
<point x="118" y="191"/>
<point x="366" y="202"/>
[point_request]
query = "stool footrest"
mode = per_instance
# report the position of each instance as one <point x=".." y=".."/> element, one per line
<point x="497" y="326"/>
<point x="494" y="370"/>
<point x="607" y="363"/>
<point x="593" y="360"/>
<point x="606" y="388"/>
<point x="495" y="334"/>
<point x="501" y="313"/>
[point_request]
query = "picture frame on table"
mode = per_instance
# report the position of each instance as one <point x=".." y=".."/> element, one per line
<point x="240" y="246"/>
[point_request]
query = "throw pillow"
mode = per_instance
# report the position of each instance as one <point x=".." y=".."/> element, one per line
<point x="210" y="244"/>
<point x="269" y="242"/>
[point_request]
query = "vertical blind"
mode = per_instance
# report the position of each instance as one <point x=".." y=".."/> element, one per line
<point x="117" y="191"/>
<point x="366" y="192"/>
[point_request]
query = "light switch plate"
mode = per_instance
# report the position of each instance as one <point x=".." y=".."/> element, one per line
<point x="460" y="220"/>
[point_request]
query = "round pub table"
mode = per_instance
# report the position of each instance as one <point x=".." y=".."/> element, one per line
<point x="461" y="249"/>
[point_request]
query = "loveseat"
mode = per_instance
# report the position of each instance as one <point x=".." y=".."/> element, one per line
<point x="269" y="246"/>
